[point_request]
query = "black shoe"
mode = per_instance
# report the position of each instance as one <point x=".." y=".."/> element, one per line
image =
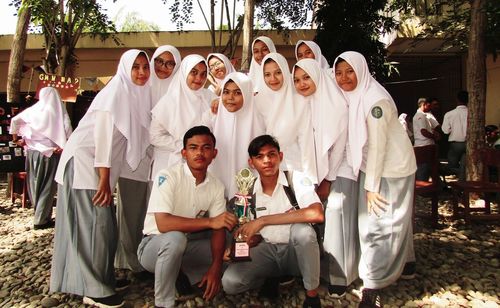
<point x="312" y="302"/>
<point x="184" y="288"/>
<point x="371" y="299"/>
<point x="104" y="302"/>
<point x="409" y="271"/>
<point x="271" y="288"/>
<point x="336" y="291"/>
<point x="286" y="280"/>
<point x="122" y="284"/>
<point x="50" y="224"/>
<point x="144" y="276"/>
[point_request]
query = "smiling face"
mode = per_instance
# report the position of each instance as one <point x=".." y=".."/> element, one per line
<point x="273" y="76"/>
<point x="232" y="97"/>
<point x="217" y="67"/>
<point x="140" y="70"/>
<point x="345" y="76"/>
<point x="303" y="82"/>
<point x="267" y="161"/>
<point x="164" y="65"/>
<point x="197" y="76"/>
<point x="303" y="52"/>
<point x="259" y="51"/>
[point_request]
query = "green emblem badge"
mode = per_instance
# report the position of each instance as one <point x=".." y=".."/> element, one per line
<point x="377" y="112"/>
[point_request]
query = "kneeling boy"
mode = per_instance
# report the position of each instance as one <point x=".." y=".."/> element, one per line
<point x="289" y="245"/>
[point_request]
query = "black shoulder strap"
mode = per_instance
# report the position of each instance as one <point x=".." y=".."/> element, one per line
<point x="290" y="193"/>
<point x="253" y="201"/>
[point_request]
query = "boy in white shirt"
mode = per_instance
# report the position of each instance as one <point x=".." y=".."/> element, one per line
<point x="289" y="245"/>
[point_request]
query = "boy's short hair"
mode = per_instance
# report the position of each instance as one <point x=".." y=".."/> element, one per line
<point x="197" y="130"/>
<point x="258" y="142"/>
<point x="421" y="101"/>
<point x="463" y="97"/>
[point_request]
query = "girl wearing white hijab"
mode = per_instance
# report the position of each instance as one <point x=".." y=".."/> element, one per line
<point x="166" y="61"/>
<point x="383" y="156"/>
<point x="329" y="118"/>
<point x="114" y="131"/>
<point x="219" y="66"/>
<point x="237" y="122"/>
<point x="179" y="110"/>
<point x="45" y="127"/>
<point x="133" y="185"/>
<point x="285" y="115"/>
<point x="261" y="46"/>
<point x="311" y="50"/>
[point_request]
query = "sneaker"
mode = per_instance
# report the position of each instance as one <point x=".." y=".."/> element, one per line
<point x="409" y="271"/>
<point x="312" y="302"/>
<point x="184" y="288"/>
<point x="104" y="302"/>
<point x="271" y="288"/>
<point x="50" y="224"/>
<point x="370" y="299"/>
<point x="286" y="280"/>
<point x="122" y="284"/>
<point x="336" y="291"/>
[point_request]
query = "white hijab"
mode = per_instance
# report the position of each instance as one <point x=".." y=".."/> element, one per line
<point x="328" y="113"/>
<point x="227" y="63"/>
<point x="129" y="106"/>
<point x="159" y="86"/>
<point x="255" y="68"/>
<point x="360" y="100"/>
<point x="233" y="132"/>
<point x="318" y="56"/>
<point x="182" y="108"/>
<point x="282" y="110"/>
<point x="47" y="117"/>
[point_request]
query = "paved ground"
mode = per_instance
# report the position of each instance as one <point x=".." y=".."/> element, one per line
<point x="457" y="266"/>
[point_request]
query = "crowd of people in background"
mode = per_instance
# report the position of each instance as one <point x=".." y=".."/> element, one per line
<point x="333" y="160"/>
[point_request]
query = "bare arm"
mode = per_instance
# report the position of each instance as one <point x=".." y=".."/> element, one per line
<point x="168" y="222"/>
<point x="311" y="214"/>
<point x="212" y="279"/>
<point x="103" y="195"/>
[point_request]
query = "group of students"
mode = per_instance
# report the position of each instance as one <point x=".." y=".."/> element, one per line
<point x="155" y="134"/>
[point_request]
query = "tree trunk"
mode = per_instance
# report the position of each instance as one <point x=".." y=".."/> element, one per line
<point x="247" y="35"/>
<point x="476" y="86"/>
<point x="17" y="56"/>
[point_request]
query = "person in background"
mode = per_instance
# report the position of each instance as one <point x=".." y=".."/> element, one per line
<point x="44" y="128"/>
<point x="424" y="133"/>
<point x="113" y="132"/>
<point x="311" y="50"/>
<point x="261" y="46"/>
<point x="455" y="125"/>
<point x="219" y="66"/>
<point x="166" y="61"/>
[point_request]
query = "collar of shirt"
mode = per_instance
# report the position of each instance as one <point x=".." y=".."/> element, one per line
<point x="188" y="173"/>
<point x="281" y="180"/>
<point x="461" y="107"/>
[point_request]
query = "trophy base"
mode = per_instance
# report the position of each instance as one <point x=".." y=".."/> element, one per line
<point x="240" y="252"/>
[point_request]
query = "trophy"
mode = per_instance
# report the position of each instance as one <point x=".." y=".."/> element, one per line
<point x="240" y="251"/>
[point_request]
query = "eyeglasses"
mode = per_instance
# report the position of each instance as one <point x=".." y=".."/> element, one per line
<point x="215" y="65"/>
<point x="168" y="64"/>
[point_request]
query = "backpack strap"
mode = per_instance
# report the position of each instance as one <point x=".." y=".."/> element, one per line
<point x="290" y="193"/>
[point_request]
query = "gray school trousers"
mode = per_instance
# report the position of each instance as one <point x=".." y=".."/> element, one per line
<point x="165" y="254"/>
<point x="300" y="257"/>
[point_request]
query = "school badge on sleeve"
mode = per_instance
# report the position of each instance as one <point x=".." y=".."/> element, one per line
<point x="161" y="179"/>
<point x="377" y="112"/>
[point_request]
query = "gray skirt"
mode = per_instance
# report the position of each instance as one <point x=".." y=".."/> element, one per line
<point x="386" y="241"/>
<point x="341" y="241"/>
<point x="42" y="188"/>
<point x="84" y="243"/>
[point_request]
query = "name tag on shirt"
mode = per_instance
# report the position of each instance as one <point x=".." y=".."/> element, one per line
<point x="262" y="208"/>
<point x="201" y="214"/>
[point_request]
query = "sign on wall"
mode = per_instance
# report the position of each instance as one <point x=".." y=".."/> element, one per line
<point x="66" y="86"/>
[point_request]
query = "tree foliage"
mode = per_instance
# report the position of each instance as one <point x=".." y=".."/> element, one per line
<point x="282" y="15"/>
<point x="451" y="20"/>
<point x="62" y="23"/>
<point x="354" y="25"/>
<point x="133" y="23"/>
